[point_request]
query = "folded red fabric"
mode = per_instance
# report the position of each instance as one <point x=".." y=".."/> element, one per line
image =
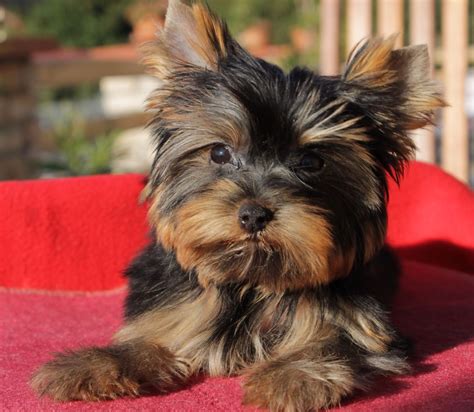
<point x="431" y="218"/>
<point x="70" y="234"/>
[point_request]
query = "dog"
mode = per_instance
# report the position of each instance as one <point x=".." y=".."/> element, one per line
<point x="268" y="197"/>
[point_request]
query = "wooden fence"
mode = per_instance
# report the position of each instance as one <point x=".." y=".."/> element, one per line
<point x="17" y="106"/>
<point x="55" y="69"/>
<point x="29" y="66"/>
<point x="452" y="61"/>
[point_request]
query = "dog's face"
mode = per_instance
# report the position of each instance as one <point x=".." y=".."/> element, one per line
<point x="276" y="179"/>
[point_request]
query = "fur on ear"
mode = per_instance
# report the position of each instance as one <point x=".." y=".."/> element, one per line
<point x="193" y="37"/>
<point x="392" y="85"/>
<point x="394" y="90"/>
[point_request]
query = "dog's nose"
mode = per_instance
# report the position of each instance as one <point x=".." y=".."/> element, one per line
<point x="253" y="217"/>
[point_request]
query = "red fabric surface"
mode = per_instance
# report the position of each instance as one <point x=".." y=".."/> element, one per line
<point x="431" y="218"/>
<point x="70" y="234"/>
<point x="434" y="308"/>
<point x="78" y="234"/>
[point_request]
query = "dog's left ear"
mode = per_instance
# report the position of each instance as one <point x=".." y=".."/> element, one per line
<point x="193" y="38"/>
<point x="393" y="89"/>
<point x="392" y="85"/>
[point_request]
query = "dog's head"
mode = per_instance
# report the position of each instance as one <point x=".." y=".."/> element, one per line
<point x="271" y="178"/>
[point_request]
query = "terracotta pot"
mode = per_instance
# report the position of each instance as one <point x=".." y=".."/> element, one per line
<point x="256" y="36"/>
<point x="302" y="39"/>
<point x="145" y="28"/>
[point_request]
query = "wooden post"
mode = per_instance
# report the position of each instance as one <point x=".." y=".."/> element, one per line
<point x="330" y="28"/>
<point x="422" y="31"/>
<point x="390" y="18"/>
<point x="18" y="123"/>
<point x="359" y="21"/>
<point x="455" y="155"/>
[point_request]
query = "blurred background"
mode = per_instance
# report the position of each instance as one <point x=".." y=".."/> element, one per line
<point x="72" y="89"/>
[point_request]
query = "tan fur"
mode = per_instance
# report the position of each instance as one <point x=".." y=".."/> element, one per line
<point x="190" y="225"/>
<point x="166" y="346"/>
<point x="116" y="371"/>
<point x="186" y="328"/>
<point x="209" y="28"/>
<point x="205" y="222"/>
<point x="365" y="329"/>
<point x="192" y="37"/>
<point x="344" y="130"/>
<point x="370" y="62"/>
<point x="424" y="95"/>
<point x="303" y="373"/>
<point x="183" y="329"/>
<point x="374" y="64"/>
<point x="85" y="375"/>
<point x="155" y="59"/>
<point x="300" y="232"/>
<point x="299" y="382"/>
<point x="306" y="329"/>
<point x="305" y="238"/>
<point x="324" y="128"/>
<point x="223" y="121"/>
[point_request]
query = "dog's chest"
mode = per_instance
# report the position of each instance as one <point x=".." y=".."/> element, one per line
<point x="223" y="331"/>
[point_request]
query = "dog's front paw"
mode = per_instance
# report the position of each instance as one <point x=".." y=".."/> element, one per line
<point x="89" y="375"/>
<point x="298" y="386"/>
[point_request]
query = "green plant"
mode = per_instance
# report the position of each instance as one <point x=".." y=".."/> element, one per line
<point x="84" y="23"/>
<point x="68" y="93"/>
<point x="283" y="14"/>
<point x="77" y="154"/>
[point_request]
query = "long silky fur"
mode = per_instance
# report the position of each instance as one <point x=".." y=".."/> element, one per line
<point x="300" y="308"/>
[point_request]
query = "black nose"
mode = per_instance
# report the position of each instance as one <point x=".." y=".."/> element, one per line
<point x="253" y="217"/>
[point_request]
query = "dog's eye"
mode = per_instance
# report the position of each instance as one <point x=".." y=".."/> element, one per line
<point x="221" y="154"/>
<point x="311" y="161"/>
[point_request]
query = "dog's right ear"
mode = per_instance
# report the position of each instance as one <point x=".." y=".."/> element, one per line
<point x="193" y="38"/>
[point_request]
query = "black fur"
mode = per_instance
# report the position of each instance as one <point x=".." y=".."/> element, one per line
<point x="155" y="279"/>
<point x="299" y="308"/>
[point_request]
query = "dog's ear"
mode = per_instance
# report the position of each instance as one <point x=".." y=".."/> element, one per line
<point x="394" y="90"/>
<point x="392" y="85"/>
<point x="193" y="37"/>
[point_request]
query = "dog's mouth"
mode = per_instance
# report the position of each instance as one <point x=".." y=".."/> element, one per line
<point x="255" y="238"/>
<point x="253" y="243"/>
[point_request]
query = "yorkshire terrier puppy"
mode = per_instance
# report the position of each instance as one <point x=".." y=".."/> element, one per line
<point x="268" y="206"/>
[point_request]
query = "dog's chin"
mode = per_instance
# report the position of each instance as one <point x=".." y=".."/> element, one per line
<point x="269" y="260"/>
<point x="254" y="244"/>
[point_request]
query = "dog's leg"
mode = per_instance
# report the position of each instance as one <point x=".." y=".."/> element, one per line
<point x="317" y="368"/>
<point x="301" y="381"/>
<point x="312" y="379"/>
<point x="122" y="369"/>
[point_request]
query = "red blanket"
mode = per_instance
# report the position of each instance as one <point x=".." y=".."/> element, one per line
<point x="71" y="239"/>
